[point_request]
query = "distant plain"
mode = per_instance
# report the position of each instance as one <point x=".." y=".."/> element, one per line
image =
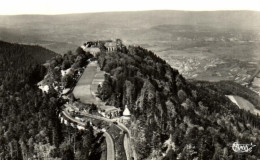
<point x="220" y="45"/>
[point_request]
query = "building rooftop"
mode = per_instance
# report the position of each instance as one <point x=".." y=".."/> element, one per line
<point x="108" y="108"/>
<point x="110" y="44"/>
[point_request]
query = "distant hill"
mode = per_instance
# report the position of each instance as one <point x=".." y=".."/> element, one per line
<point x="33" y="52"/>
<point x="21" y="64"/>
<point x="223" y="19"/>
<point x="72" y="29"/>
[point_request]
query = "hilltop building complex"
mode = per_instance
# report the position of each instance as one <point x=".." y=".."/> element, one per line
<point x="95" y="47"/>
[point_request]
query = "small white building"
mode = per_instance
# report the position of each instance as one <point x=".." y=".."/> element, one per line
<point x="65" y="122"/>
<point x="108" y="111"/>
<point x="80" y="127"/>
<point x="126" y="114"/>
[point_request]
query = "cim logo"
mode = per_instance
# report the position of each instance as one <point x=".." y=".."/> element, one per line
<point x="242" y="148"/>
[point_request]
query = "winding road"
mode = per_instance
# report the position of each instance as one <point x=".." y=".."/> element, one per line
<point x="83" y="90"/>
<point x="109" y="140"/>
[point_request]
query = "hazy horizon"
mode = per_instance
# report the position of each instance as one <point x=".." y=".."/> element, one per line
<point x="57" y="7"/>
<point x="79" y="13"/>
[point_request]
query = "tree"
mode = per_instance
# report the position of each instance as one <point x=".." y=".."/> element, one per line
<point x="65" y="64"/>
<point x="68" y="154"/>
<point x="24" y="149"/>
<point x="80" y="51"/>
<point x="182" y="95"/>
<point x="88" y="139"/>
<point x="67" y="81"/>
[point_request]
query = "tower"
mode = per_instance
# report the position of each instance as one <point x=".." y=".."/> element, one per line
<point x="126" y="114"/>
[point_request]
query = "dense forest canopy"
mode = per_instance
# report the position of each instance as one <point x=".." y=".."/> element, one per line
<point x="21" y="64"/>
<point x="171" y="116"/>
<point x="29" y="124"/>
<point x="182" y="119"/>
<point x="16" y="51"/>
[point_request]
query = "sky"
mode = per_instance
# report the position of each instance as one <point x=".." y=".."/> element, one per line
<point x="14" y="7"/>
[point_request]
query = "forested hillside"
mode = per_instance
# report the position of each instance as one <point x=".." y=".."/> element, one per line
<point x="38" y="53"/>
<point x="20" y="65"/>
<point x="231" y="88"/>
<point x="29" y="124"/>
<point x="171" y="117"/>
